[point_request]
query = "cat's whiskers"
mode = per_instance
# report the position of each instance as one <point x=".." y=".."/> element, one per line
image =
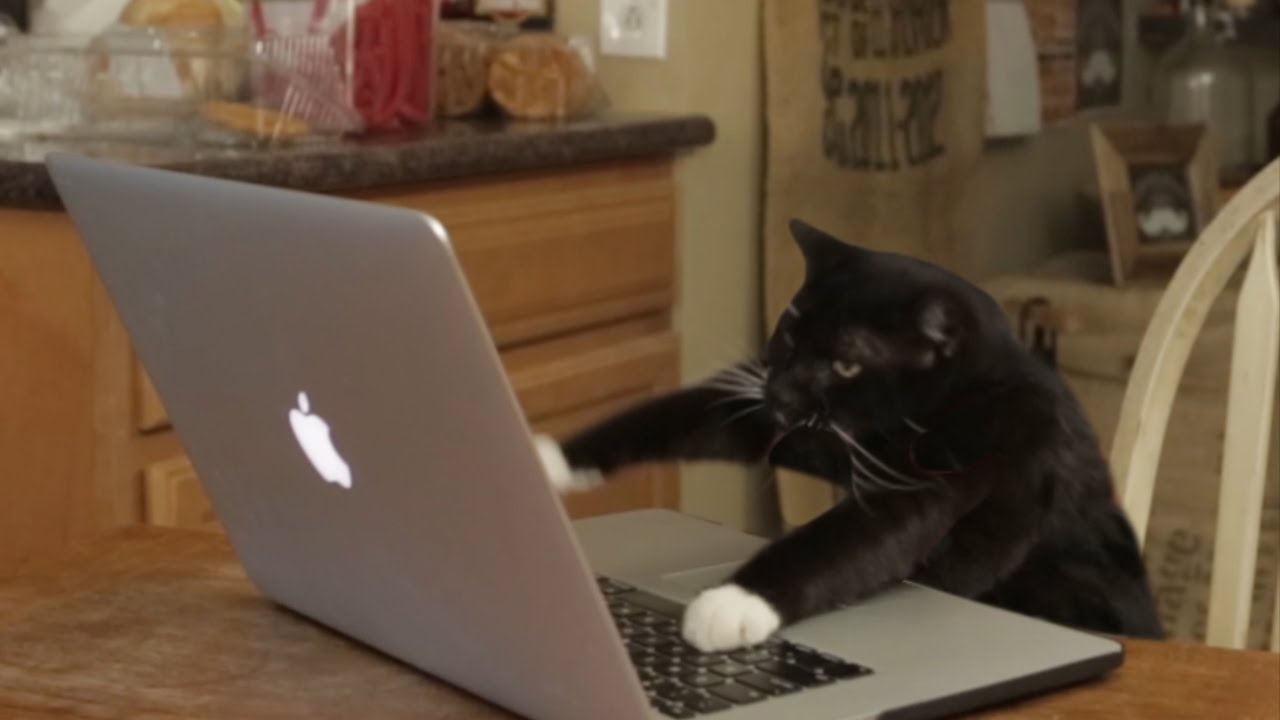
<point x="864" y="474"/>
<point x="737" y="397"/>
<point x="734" y="386"/>
<point x="915" y="425"/>
<point x="744" y="373"/>
<point x="854" y="482"/>
<point x="743" y="382"/>
<point x="888" y="477"/>
<point x="742" y="413"/>
<point x="736" y="389"/>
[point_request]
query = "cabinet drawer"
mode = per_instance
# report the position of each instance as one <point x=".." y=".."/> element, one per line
<point x="562" y="390"/>
<point x="551" y="253"/>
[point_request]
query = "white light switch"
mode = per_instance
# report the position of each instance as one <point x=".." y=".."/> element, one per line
<point x="633" y="28"/>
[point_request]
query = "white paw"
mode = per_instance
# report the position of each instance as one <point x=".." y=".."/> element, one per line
<point x="563" y="478"/>
<point x="728" y="617"/>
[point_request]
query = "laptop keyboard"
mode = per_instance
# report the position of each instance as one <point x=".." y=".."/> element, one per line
<point x="682" y="682"/>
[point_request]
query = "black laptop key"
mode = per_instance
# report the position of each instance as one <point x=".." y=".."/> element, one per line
<point x="702" y="679"/>
<point x="729" y="668"/>
<point x="767" y="684"/>
<point x="642" y="659"/>
<point x="846" y="670"/>
<point x="668" y="690"/>
<point x="609" y="586"/>
<point x="644" y="619"/>
<point x="737" y="694"/>
<point x="701" y="702"/>
<point x="810" y="659"/>
<point x="635" y="633"/>
<point x="670" y="667"/>
<point x="650" y="660"/>
<point x="648" y="640"/>
<point x="794" y="673"/>
<point x="674" y="648"/>
<point x="653" y="603"/>
<point x="673" y="710"/>
<point x="620" y="609"/>
<point x="754" y="655"/>
<point x="641" y="655"/>
<point x="705" y="659"/>
<point x="668" y="627"/>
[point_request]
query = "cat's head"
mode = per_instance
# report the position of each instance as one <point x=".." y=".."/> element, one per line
<point x="874" y="339"/>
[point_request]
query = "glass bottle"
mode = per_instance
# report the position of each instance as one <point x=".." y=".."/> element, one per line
<point x="1203" y="80"/>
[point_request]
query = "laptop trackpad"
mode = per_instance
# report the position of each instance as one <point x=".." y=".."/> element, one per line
<point x="699" y="579"/>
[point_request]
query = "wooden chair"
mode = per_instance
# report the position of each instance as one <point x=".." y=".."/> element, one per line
<point x="1244" y="228"/>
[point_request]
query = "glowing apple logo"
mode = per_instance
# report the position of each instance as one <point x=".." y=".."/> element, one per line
<point x="313" y="436"/>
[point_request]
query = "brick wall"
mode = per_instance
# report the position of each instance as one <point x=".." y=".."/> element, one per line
<point x="1053" y="27"/>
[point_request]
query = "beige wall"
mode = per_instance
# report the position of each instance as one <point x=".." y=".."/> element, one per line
<point x="712" y="68"/>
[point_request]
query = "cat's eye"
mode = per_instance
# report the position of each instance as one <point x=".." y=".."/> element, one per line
<point x="846" y="370"/>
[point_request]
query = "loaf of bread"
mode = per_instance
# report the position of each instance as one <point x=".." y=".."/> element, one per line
<point x="180" y="13"/>
<point x="203" y="37"/>
<point x="462" y="66"/>
<point x="538" y="76"/>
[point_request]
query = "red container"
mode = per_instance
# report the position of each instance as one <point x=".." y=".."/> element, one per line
<point x="393" y="73"/>
<point x="375" y="59"/>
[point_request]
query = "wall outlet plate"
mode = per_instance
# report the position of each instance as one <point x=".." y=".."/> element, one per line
<point x="633" y="28"/>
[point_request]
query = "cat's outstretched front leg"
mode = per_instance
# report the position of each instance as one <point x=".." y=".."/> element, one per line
<point x="721" y="419"/>
<point x="846" y="554"/>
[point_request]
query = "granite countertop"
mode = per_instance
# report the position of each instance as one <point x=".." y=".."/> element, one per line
<point x="452" y="149"/>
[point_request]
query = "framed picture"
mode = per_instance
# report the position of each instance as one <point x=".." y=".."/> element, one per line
<point x="1080" y="49"/>
<point x="1158" y="185"/>
<point x="1099" y="53"/>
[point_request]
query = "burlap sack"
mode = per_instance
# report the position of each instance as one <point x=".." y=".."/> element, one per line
<point x="875" y="121"/>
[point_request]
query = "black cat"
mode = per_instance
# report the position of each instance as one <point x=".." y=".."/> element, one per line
<point x="969" y="464"/>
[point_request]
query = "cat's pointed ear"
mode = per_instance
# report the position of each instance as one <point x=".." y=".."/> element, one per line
<point x="821" y="251"/>
<point x="941" y="321"/>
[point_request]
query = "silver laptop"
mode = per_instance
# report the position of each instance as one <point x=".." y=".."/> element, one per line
<point x="328" y="371"/>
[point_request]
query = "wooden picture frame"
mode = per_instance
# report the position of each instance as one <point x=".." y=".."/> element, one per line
<point x="1158" y="185"/>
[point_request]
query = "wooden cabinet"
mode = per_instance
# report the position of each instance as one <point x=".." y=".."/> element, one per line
<point x="574" y="272"/>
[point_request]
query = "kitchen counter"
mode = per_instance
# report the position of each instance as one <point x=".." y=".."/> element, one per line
<point x="452" y="149"/>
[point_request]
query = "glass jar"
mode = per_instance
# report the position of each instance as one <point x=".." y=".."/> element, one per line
<point x="394" y="75"/>
<point x="1203" y="80"/>
<point x="376" y="56"/>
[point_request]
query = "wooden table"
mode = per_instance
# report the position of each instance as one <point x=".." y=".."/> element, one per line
<point x="162" y="624"/>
